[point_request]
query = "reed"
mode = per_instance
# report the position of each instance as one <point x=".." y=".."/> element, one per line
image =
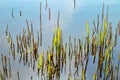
<point x="18" y="75"/>
<point x="49" y="14"/>
<point x="40" y="24"/>
<point x="97" y="22"/>
<point x="9" y="67"/>
<point x="74" y="4"/>
<point x="1" y="75"/>
<point x="38" y="38"/>
<point x="46" y="5"/>
<point x="20" y="13"/>
<point x="13" y="13"/>
<point x="58" y="19"/>
<point x="102" y="13"/>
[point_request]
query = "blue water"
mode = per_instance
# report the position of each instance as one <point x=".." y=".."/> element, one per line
<point x="72" y="22"/>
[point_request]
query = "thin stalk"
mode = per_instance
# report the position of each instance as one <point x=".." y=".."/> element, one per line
<point x="58" y="18"/>
<point x="13" y="13"/>
<point x="97" y="22"/>
<point x="74" y="4"/>
<point x="38" y="37"/>
<point x="40" y="25"/>
<point x="102" y="14"/>
<point x="27" y="23"/>
<point x="46" y="5"/>
<point x="49" y="14"/>
<point x="20" y="13"/>
<point x="31" y="28"/>
<point x="9" y="67"/>
<point x="18" y="75"/>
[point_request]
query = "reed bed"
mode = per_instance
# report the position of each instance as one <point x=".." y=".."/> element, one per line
<point x="51" y="64"/>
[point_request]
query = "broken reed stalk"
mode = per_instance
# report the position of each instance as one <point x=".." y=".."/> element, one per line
<point x="49" y="14"/>
<point x="18" y="75"/>
<point x="58" y="19"/>
<point x="33" y="40"/>
<point x="27" y="23"/>
<point x="34" y="65"/>
<point x="29" y="33"/>
<point x="28" y="64"/>
<point x="94" y="58"/>
<point x="115" y="38"/>
<point x="20" y="13"/>
<point x="7" y="30"/>
<point x="5" y="59"/>
<point x="17" y="44"/>
<point x="119" y="28"/>
<point x="38" y="38"/>
<point x="26" y="56"/>
<point x="31" y="58"/>
<point x="24" y="59"/>
<point x="86" y="64"/>
<point x="62" y="57"/>
<point x="13" y="50"/>
<point x="74" y="45"/>
<point x="31" y="77"/>
<point x="9" y="68"/>
<point x="69" y="46"/>
<point x="13" y="13"/>
<point x="88" y="45"/>
<point x="80" y="50"/>
<point x="46" y="5"/>
<point x="40" y="25"/>
<point x="74" y="4"/>
<point x="20" y="56"/>
<point x="11" y="46"/>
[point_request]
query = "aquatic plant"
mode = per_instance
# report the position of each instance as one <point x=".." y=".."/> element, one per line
<point x="57" y="56"/>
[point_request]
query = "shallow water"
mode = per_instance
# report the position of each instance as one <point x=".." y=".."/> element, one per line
<point x="72" y="22"/>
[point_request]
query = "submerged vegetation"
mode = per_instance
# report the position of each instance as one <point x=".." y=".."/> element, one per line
<point x="51" y="64"/>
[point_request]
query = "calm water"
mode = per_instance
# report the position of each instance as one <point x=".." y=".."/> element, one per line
<point x="72" y="22"/>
